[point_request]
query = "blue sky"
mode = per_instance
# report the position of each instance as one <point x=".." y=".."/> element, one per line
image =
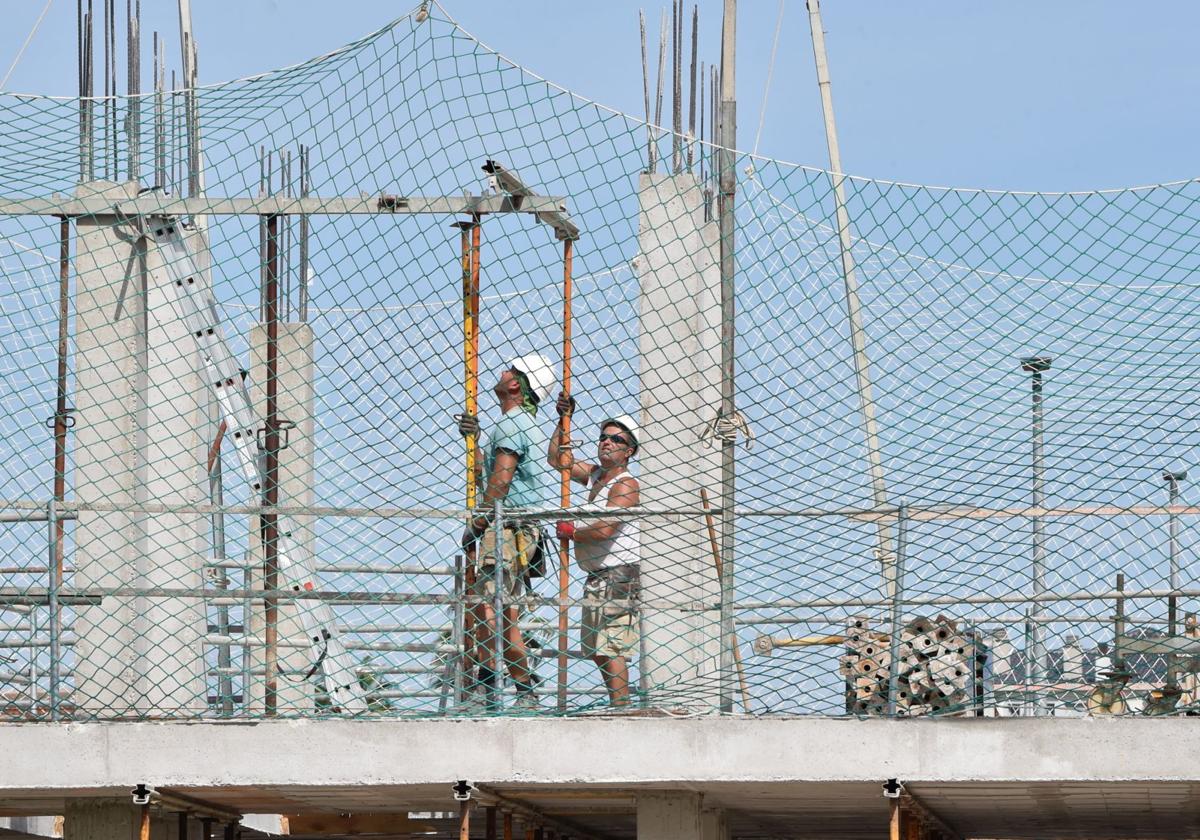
<point x="1019" y="95"/>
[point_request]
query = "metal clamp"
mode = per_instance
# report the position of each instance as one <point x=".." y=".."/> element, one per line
<point x="283" y="427"/>
<point x="392" y="202"/>
<point x="67" y="420"/>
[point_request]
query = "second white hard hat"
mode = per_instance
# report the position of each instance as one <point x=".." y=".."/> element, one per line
<point x="626" y="422"/>
<point x="538" y="371"/>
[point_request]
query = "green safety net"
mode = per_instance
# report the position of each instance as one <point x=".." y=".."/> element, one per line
<point x="968" y="516"/>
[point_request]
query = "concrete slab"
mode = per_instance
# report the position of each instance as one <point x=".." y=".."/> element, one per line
<point x="1016" y="778"/>
<point x="637" y="751"/>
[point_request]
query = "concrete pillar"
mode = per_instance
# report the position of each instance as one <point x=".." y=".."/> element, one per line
<point x="139" y="437"/>
<point x="1072" y="660"/>
<point x="679" y="349"/>
<point x="33" y="826"/>
<point x="296" y="404"/>
<point x="713" y="825"/>
<point x="673" y="815"/>
<point x="113" y="819"/>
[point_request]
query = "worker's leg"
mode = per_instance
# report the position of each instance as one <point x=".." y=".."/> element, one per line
<point x="479" y="643"/>
<point x="615" y="672"/>
<point x="514" y="650"/>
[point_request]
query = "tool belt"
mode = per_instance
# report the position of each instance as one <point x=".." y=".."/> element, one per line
<point x="529" y="551"/>
<point x="615" y="588"/>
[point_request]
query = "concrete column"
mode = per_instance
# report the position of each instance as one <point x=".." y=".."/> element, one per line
<point x="296" y="404"/>
<point x="139" y="437"/>
<point x="33" y="826"/>
<point x="679" y="349"/>
<point x="713" y="825"/>
<point x="673" y="815"/>
<point x="113" y="819"/>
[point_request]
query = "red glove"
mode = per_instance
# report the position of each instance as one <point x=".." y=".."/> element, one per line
<point x="565" y="530"/>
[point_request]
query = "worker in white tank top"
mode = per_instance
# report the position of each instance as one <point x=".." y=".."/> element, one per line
<point x="607" y="549"/>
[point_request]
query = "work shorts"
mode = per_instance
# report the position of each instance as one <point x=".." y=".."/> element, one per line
<point x="518" y="545"/>
<point x="610" y="615"/>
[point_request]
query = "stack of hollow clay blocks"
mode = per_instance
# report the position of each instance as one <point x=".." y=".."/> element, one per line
<point x="937" y="668"/>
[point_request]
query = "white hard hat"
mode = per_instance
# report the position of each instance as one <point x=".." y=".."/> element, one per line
<point x="538" y="371"/>
<point x="627" y="423"/>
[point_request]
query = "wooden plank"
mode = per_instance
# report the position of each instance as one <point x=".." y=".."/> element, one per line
<point x="325" y="824"/>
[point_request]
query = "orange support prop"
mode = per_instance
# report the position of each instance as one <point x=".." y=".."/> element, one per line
<point x="464" y="820"/>
<point x="564" y="553"/>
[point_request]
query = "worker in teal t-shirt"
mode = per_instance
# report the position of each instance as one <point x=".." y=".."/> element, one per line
<point x="515" y="474"/>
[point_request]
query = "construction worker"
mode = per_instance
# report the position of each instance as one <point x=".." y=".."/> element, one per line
<point x="606" y="549"/>
<point x="513" y="474"/>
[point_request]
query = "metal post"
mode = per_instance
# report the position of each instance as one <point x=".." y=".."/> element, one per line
<point x="898" y="594"/>
<point x="60" y="401"/>
<point x="53" y="625"/>
<point x="564" y="550"/>
<point x="497" y="605"/>
<point x="1173" y="479"/>
<point x="1036" y="366"/>
<point x="270" y="530"/>
<point x="216" y="496"/>
<point x="458" y="628"/>
<point x="160" y="117"/>
<point x="1119" y="622"/>
<point x="727" y="224"/>
<point x="191" y="109"/>
<point x="133" y="62"/>
<point x="304" y="188"/>
<point x="858" y="336"/>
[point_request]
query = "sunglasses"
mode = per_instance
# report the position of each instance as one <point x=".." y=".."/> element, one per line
<point x="617" y="439"/>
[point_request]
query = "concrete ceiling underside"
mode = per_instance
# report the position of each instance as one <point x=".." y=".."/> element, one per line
<point x="756" y="811"/>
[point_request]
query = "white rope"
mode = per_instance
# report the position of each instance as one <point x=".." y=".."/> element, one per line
<point x="21" y="51"/>
<point x="762" y="113"/>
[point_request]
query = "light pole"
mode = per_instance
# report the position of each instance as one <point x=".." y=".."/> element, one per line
<point x="1037" y="365"/>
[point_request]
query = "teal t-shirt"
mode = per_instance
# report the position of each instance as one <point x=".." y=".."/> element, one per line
<point x="518" y="432"/>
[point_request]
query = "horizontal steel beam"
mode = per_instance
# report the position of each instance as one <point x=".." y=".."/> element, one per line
<point x="157" y="204"/>
<point x="512" y="184"/>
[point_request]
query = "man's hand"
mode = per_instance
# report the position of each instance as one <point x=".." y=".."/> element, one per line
<point x="475" y="529"/>
<point x="565" y="530"/>
<point x="564" y="405"/>
<point x="468" y="424"/>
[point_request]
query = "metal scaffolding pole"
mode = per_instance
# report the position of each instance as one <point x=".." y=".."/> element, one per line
<point x="858" y="336"/>
<point x="270" y="522"/>
<point x="1173" y="479"/>
<point x="1036" y="366"/>
<point x="726" y="225"/>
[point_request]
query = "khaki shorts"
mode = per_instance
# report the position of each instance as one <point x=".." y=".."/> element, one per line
<point x="517" y="548"/>
<point x="610" y="619"/>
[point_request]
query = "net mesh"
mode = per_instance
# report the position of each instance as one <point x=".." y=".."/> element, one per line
<point x="1026" y="546"/>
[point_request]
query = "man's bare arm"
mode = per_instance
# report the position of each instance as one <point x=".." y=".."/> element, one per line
<point x="624" y="493"/>
<point x="503" y="470"/>
<point x="562" y="457"/>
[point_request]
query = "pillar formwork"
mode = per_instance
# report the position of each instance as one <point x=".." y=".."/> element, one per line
<point x="679" y="347"/>
<point x="139" y="438"/>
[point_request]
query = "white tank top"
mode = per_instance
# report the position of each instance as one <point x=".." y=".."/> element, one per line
<point x="621" y="549"/>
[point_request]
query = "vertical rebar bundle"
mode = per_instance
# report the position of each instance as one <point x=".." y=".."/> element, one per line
<point x="133" y="84"/>
<point x="691" y="131"/>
